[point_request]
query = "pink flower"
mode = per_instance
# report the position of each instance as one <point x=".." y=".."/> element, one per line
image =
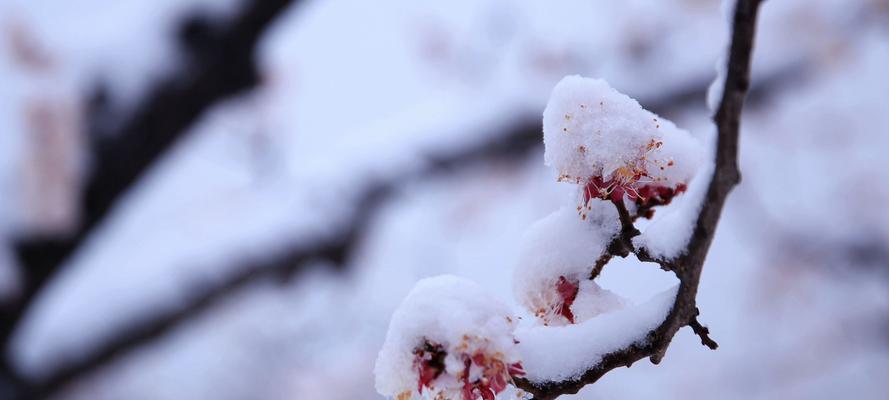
<point x="567" y="293"/>
<point x="483" y="376"/>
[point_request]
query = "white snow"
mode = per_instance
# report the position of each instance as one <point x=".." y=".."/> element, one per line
<point x="714" y="92"/>
<point x="561" y="245"/>
<point x="565" y="352"/>
<point x="453" y="312"/>
<point x="592" y="130"/>
<point x="592" y="300"/>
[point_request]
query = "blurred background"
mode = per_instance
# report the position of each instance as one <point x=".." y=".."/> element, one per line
<point x="225" y="199"/>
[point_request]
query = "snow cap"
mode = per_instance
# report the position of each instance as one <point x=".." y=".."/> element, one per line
<point x="458" y="322"/>
<point x="591" y="130"/>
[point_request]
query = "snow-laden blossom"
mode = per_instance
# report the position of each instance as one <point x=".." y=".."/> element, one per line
<point x="606" y="143"/>
<point x="557" y="254"/>
<point x="449" y="340"/>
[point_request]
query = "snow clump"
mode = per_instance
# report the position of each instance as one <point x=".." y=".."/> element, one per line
<point x="449" y="339"/>
<point x="557" y="255"/>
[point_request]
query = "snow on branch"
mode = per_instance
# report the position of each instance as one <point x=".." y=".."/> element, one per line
<point x="625" y="161"/>
<point x="553" y="285"/>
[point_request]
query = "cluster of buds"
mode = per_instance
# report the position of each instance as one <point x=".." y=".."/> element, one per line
<point x="450" y="339"/>
<point x="470" y="371"/>
<point x="644" y="194"/>
<point x="632" y="182"/>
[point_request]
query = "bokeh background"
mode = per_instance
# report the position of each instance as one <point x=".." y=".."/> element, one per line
<point x="248" y="189"/>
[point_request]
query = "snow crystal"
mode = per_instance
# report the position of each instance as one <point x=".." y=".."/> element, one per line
<point x="561" y="246"/>
<point x="451" y="317"/>
<point x="565" y="352"/>
<point x="591" y="130"/>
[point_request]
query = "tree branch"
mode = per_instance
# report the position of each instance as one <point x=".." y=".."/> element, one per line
<point x="687" y="267"/>
<point x="704" y="333"/>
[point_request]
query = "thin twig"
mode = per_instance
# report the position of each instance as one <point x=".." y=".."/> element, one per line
<point x="704" y="333"/>
<point x="600" y="264"/>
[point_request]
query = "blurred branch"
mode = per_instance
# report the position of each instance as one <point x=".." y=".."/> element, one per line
<point x="219" y="64"/>
<point x="687" y="267"/>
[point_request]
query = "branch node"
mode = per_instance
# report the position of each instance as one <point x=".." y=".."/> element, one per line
<point x="656" y="358"/>
<point x="703" y="332"/>
<point x="600" y="264"/>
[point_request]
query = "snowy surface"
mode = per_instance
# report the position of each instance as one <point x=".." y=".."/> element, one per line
<point x="561" y="245"/>
<point x="593" y="300"/>
<point x="565" y="352"/>
<point x="349" y="86"/>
